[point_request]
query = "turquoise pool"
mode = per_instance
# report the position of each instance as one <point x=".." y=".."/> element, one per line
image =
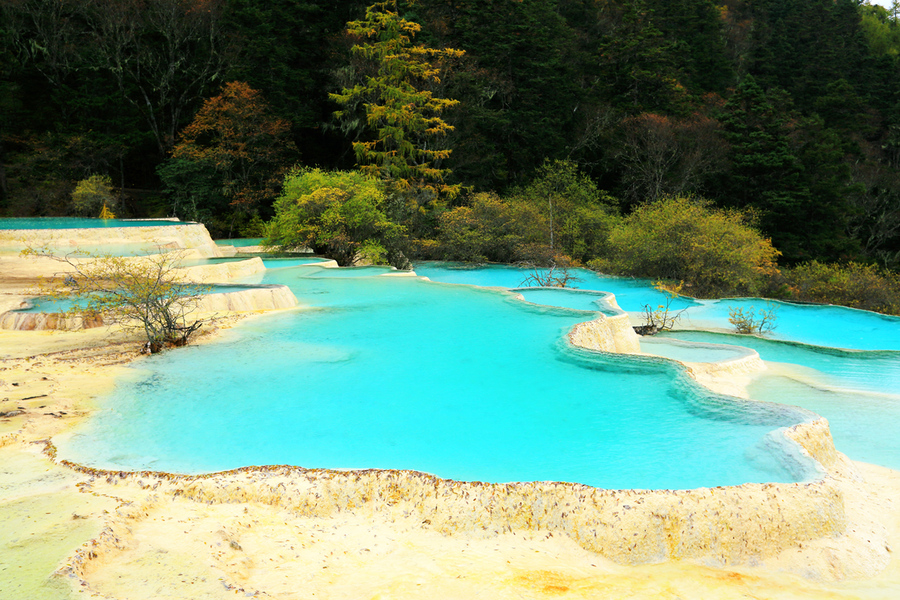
<point x="858" y="392"/>
<point x="473" y="384"/>
<point x="458" y="381"/>
<point x="46" y="304"/>
<point x="565" y="298"/>
<point x="819" y="325"/>
<point x="80" y="223"/>
<point x="687" y="351"/>
<point x="839" y="362"/>
<point x="283" y="262"/>
<point x="240" y="242"/>
<point x="631" y="294"/>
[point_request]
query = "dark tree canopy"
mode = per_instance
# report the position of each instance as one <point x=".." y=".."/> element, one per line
<point x="789" y="108"/>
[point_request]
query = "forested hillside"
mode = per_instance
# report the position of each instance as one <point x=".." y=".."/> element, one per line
<point x="786" y="111"/>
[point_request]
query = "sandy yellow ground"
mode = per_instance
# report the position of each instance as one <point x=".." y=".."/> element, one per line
<point x="152" y="544"/>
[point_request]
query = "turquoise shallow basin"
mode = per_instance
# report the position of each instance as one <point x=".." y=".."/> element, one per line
<point x="461" y="382"/>
<point x="80" y="223"/>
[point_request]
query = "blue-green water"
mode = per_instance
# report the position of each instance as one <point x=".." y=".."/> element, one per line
<point x="820" y="325"/>
<point x="469" y="383"/>
<point x="565" y="298"/>
<point x="47" y="304"/>
<point x="858" y="392"/>
<point x="79" y="223"/>
<point x="281" y="263"/>
<point x="686" y="351"/>
<point x="195" y="262"/>
<point x="240" y="242"/>
<point x="458" y="381"/>
<point x="631" y="294"/>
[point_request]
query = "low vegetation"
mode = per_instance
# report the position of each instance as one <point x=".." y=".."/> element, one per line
<point x="713" y="251"/>
<point x="142" y="294"/>
<point x="849" y="284"/>
<point x="557" y="274"/>
<point x="561" y="212"/>
<point x="663" y="317"/>
<point x="749" y="320"/>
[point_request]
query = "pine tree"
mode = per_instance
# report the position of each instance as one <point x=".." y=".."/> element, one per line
<point x="400" y="111"/>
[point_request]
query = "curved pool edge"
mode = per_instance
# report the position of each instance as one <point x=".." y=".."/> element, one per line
<point x="724" y="525"/>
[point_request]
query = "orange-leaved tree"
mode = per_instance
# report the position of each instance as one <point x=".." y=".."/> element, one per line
<point x="236" y="134"/>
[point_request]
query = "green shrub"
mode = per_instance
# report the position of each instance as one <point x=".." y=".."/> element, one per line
<point x="850" y="284"/>
<point x="560" y="213"/>
<point x="91" y="195"/>
<point x="714" y="252"/>
<point x="488" y="229"/>
<point x="564" y="210"/>
<point x="338" y="214"/>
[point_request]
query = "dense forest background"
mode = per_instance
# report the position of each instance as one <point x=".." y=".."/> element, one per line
<point x="787" y="110"/>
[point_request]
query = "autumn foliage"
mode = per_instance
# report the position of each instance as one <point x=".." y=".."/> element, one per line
<point x="236" y="133"/>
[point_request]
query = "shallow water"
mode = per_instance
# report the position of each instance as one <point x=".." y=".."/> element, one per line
<point x="565" y="298"/>
<point x="631" y="294"/>
<point x="240" y="242"/>
<point x="858" y="392"/>
<point x="819" y="325"/>
<point x="468" y="383"/>
<point x="691" y="352"/>
<point x="457" y="381"/>
<point x="283" y="262"/>
<point x="80" y="223"/>
<point x="47" y="304"/>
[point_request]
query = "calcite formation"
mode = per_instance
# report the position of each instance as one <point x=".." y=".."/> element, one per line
<point x="164" y="237"/>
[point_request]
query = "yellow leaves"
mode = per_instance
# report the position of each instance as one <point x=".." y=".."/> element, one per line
<point x="105" y="213"/>
<point x="402" y="112"/>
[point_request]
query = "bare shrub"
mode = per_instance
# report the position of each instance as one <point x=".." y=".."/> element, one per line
<point x="747" y="321"/>
<point x="143" y="294"/>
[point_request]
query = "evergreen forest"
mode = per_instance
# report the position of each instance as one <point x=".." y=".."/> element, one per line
<point x="545" y="131"/>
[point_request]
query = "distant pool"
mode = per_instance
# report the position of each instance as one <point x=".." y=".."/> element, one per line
<point x="565" y="298"/>
<point x="819" y="325"/>
<point x="631" y="294"/>
<point x="47" y="304"/>
<point x="461" y="382"/>
<point x="81" y="223"/>
<point x="240" y="242"/>
<point x="281" y="263"/>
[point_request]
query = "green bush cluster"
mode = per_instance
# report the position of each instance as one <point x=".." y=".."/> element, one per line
<point x="91" y="195"/>
<point x="561" y="212"/>
<point x="849" y="284"/>
<point x="339" y="214"/>
<point x="714" y="252"/>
